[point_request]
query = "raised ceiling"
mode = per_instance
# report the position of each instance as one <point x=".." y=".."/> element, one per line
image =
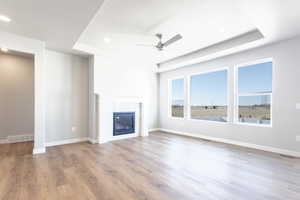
<point x="64" y="23"/>
<point x="201" y="22"/>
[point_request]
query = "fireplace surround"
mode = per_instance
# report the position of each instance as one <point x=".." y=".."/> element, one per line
<point x="102" y="114"/>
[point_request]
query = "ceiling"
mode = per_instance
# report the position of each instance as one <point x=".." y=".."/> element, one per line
<point x="276" y="19"/>
<point x="202" y="23"/>
<point x="57" y="22"/>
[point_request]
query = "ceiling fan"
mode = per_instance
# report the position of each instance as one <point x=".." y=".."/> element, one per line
<point x="161" y="45"/>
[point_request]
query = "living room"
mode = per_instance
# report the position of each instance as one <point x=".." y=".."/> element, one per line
<point x="149" y="99"/>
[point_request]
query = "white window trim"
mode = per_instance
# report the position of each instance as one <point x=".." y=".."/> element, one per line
<point x="188" y="116"/>
<point x="254" y="94"/>
<point x="170" y="98"/>
<point x="237" y="95"/>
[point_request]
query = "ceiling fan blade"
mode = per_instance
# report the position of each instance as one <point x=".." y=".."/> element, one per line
<point x="172" y="40"/>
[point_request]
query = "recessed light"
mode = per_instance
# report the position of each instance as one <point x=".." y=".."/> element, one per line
<point x="4" y="49"/>
<point x="4" y="18"/>
<point x="222" y="30"/>
<point x="106" y="40"/>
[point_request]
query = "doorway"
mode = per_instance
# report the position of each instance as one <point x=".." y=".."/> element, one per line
<point x="17" y="97"/>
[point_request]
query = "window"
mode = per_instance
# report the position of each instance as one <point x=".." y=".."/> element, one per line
<point x="177" y="98"/>
<point x="208" y="96"/>
<point x="254" y="93"/>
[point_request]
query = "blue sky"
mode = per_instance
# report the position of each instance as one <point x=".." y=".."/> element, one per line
<point x="257" y="78"/>
<point x="178" y="91"/>
<point x="211" y="88"/>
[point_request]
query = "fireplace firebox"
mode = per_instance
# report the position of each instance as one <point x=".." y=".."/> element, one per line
<point x="124" y="123"/>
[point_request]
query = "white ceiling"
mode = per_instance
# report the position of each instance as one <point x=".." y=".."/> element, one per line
<point x="129" y="22"/>
<point x="201" y="22"/>
<point x="57" y="22"/>
<point x="276" y="19"/>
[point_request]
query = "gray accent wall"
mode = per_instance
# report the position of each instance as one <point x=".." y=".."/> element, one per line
<point x="286" y="93"/>
<point x="16" y="95"/>
<point x="67" y="96"/>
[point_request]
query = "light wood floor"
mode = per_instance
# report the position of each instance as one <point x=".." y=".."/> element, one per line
<point x="160" y="167"/>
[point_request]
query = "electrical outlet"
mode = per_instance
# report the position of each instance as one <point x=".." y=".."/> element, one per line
<point x="298" y="138"/>
<point x="298" y="106"/>
<point x="74" y="128"/>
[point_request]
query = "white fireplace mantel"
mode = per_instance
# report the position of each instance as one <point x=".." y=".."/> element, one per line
<point x="104" y="108"/>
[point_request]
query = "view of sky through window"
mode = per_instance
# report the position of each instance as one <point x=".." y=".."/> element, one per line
<point x="255" y="89"/>
<point x="209" y="89"/>
<point x="178" y="92"/>
<point x="255" y="78"/>
<point x="209" y="96"/>
<point x="177" y="98"/>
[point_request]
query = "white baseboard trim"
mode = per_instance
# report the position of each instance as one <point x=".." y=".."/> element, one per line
<point x="103" y="142"/>
<point x="66" y="141"/>
<point x="233" y="142"/>
<point x="17" y="138"/>
<point x="93" y="141"/>
<point x="3" y="141"/>
<point x="38" y="150"/>
<point x="154" y="129"/>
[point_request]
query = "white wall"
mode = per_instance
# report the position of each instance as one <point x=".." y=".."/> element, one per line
<point x="128" y="74"/>
<point x="17" y="95"/>
<point x="67" y="91"/>
<point x="286" y="94"/>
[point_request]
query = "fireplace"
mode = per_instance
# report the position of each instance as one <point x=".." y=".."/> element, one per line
<point x="123" y="123"/>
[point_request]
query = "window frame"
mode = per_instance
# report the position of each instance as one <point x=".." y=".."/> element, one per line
<point x="170" y="97"/>
<point x="237" y="94"/>
<point x="227" y="94"/>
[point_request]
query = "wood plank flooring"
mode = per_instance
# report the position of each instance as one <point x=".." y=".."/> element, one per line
<point x="159" y="167"/>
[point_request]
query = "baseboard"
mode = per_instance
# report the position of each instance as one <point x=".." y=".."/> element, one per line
<point x="233" y="142"/>
<point x="93" y="141"/>
<point x="3" y="141"/>
<point x="67" y="141"/>
<point x="39" y="150"/>
<point x="17" y="138"/>
<point x="154" y="129"/>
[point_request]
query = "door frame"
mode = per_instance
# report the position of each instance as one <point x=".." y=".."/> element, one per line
<point x="36" y="48"/>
